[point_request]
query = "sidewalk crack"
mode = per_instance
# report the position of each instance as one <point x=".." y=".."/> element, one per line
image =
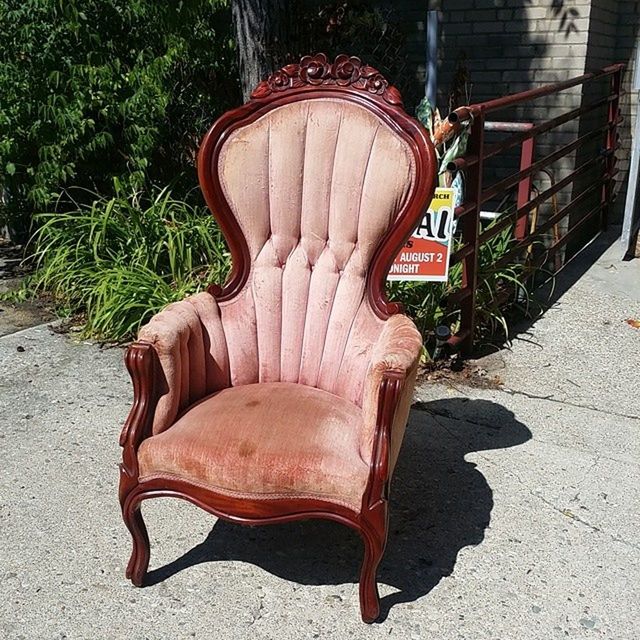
<point x="550" y="398"/>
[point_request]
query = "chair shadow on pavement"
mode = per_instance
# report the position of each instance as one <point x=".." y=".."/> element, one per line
<point x="440" y="503"/>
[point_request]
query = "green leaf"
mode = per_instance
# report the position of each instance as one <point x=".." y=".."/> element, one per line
<point x="108" y="88"/>
<point x="118" y="260"/>
<point x="424" y="113"/>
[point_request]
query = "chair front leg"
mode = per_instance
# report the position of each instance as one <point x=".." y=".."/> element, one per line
<point x="140" y="360"/>
<point x="374" y="516"/>
<point x="141" y="552"/>
<point x="373" y="530"/>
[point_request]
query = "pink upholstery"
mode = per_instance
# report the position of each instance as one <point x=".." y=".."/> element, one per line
<point x="314" y="185"/>
<point x="303" y="441"/>
<point x="265" y="441"/>
<point x="189" y="339"/>
<point x="397" y="349"/>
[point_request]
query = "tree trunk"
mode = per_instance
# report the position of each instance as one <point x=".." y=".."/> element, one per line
<point x="261" y="28"/>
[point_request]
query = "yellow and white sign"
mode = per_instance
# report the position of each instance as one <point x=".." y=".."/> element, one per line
<point x="426" y="254"/>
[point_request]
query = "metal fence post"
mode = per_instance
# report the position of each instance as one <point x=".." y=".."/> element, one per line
<point x="470" y="232"/>
<point x="524" y="188"/>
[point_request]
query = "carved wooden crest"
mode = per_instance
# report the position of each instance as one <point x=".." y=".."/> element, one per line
<point x="345" y="71"/>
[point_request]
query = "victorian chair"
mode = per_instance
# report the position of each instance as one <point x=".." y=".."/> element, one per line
<point x="284" y="395"/>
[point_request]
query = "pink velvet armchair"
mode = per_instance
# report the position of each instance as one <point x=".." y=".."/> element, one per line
<point x="284" y="394"/>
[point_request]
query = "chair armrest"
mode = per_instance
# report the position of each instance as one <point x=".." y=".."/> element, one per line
<point x="398" y="347"/>
<point x="141" y="362"/>
<point x="388" y="391"/>
<point x="192" y="359"/>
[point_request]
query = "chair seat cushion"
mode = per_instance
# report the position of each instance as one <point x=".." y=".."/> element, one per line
<point x="265" y="441"/>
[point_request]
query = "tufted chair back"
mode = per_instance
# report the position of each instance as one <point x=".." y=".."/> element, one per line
<point x="316" y="185"/>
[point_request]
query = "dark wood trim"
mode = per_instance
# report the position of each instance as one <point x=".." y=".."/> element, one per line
<point x="389" y="394"/>
<point x="240" y="511"/>
<point x="140" y="359"/>
<point x="374" y="515"/>
<point x="349" y="80"/>
<point x="371" y="522"/>
<point x="314" y="71"/>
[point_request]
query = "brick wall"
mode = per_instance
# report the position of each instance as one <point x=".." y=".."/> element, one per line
<point x="506" y="46"/>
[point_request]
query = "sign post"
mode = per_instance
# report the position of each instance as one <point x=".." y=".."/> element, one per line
<point x="425" y="256"/>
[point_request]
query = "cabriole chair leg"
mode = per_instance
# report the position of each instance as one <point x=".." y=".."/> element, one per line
<point x="374" y="543"/>
<point x="139" y="561"/>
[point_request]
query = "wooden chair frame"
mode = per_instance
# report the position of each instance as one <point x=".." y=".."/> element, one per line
<point x="315" y="77"/>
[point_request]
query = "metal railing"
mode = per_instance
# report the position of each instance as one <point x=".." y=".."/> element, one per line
<point x="604" y="118"/>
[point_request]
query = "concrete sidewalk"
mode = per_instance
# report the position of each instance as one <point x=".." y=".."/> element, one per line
<point x="515" y="511"/>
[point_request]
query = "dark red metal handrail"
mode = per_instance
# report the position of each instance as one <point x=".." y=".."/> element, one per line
<point x="510" y="219"/>
<point x="551" y="222"/>
<point x="516" y="140"/>
<point x="532" y="94"/>
<point x="499" y="187"/>
<point x="527" y="204"/>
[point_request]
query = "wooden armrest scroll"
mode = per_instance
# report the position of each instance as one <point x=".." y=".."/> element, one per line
<point x="388" y="397"/>
<point x="140" y="360"/>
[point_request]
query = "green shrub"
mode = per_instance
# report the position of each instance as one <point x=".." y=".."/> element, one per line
<point x="427" y="302"/>
<point x="96" y="89"/>
<point x="497" y="289"/>
<point x="120" y="260"/>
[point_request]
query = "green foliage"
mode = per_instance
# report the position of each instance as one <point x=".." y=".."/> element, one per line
<point x="427" y="116"/>
<point x="120" y="260"/>
<point x="96" y="89"/>
<point x="427" y="303"/>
